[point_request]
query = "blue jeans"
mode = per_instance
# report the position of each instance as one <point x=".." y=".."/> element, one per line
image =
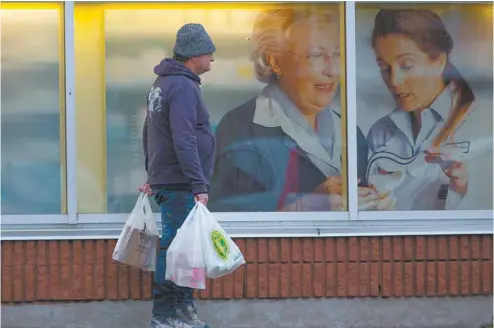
<point x="175" y="206"/>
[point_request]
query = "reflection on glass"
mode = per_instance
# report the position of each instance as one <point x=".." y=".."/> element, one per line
<point x="131" y="55"/>
<point x="430" y="143"/>
<point x="30" y="112"/>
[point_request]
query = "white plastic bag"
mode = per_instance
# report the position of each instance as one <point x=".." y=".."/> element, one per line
<point x="184" y="259"/>
<point x="221" y="255"/>
<point x="138" y="240"/>
<point x="201" y="249"/>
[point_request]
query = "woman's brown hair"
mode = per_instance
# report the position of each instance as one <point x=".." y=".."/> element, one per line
<point x="427" y="30"/>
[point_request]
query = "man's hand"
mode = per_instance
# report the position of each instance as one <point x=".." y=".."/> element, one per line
<point x="203" y="198"/>
<point x="146" y="189"/>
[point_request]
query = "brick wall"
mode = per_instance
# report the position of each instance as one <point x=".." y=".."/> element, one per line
<point x="276" y="268"/>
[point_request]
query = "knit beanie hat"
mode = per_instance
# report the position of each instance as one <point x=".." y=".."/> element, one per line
<point x="193" y="41"/>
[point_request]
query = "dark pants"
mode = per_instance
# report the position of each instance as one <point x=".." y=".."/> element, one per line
<point x="175" y="206"/>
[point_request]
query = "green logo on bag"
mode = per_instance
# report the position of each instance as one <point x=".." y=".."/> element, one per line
<point x="220" y="244"/>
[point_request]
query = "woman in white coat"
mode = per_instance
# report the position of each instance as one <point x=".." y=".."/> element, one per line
<point x="434" y="151"/>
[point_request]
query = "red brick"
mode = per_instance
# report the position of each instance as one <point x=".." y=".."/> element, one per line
<point x="375" y="279"/>
<point x="262" y="250"/>
<point x="487" y="247"/>
<point x="274" y="280"/>
<point x="376" y="248"/>
<point x="42" y="252"/>
<point x="54" y="253"/>
<point x="66" y="252"/>
<point x="420" y="248"/>
<point x="285" y="280"/>
<point x="251" y="280"/>
<point x="465" y="278"/>
<point x="77" y="252"/>
<point x="239" y="278"/>
<point x="475" y="249"/>
<point x="55" y="281"/>
<point x="296" y="250"/>
<point x="341" y="246"/>
<point x="342" y="289"/>
<point x="454" y="287"/>
<point x="487" y="277"/>
<point x="398" y="248"/>
<point x="364" y="279"/>
<point x="31" y="254"/>
<point x="263" y="280"/>
<point x="65" y="282"/>
<point x="354" y="250"/>
<point x="476" y="278"/>
<point x="7" y="281"/>
<point x="330" y="249"/>
<point x="386" y="249"/>
<point x="97" y="285"/>
<point x="135" y="283"/>
<point x="88" y="283"/>
<point x="19" y="258"/>
<point x="43" y="284"/>
<point x="398" y="268"/>
<point x="387" y="286"/>
<point x="454" y="243"/>
<point x="319" y="280"/>
<point x="431" y="248"/>
<point x="307" y="289"/>
<point x="409" y="279"/>
<point x="319" y="249"/>
<point x="409" y="248"/>
<point x="31" y="274"/>
<point x="465" y="247"/>
<point x="76" y="289"/>
<point x="285" y="250"/>
<point x="308" y="249"/>
<point x="217" y="288"/>
<point x="251" y="253"/>
<point x="147" y="285"/>
<point x="442" y="245"/>
<point x="112" y="281"/>
<point x="331" y="279"/>
<point x="431" y="279"/>
<point x="123" y="282"/>
<point x="420" y="279"/>
<point x="7" y="253"/>
<point x="101" y="254"/>
<point x="89" y="251"/>
<point x="240" y="242"/>
<point x="296" y="280"/>
<point x="364" y="244"/>
<point x="353" y="279"/>
<point x="274" y="250"/>
<point x="442" y="282"/>
<point x="19" y="295"/>
<point x="228" y="286"/>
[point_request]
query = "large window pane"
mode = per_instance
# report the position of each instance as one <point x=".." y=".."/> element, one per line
<point x="424" y="85"/>
<point x="261" y="166"/>
<point x="30" y="109"/>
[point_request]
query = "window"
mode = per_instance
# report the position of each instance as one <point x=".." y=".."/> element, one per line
<point x="32" y="109"/>
<point x="424" y="90"/>
<point x="259" y="167"/>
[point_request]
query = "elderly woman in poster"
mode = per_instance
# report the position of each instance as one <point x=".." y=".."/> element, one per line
<point x="434" y="151"/>
<point x="282" y="150"/>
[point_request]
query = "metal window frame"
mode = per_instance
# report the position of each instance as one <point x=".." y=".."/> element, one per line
<point x="73" y="226"/>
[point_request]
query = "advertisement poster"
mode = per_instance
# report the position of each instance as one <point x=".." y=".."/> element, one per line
<point x="273" y="93"/>
<point x="425" y="104"/>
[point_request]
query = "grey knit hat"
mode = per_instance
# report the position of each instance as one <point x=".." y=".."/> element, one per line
<point x="193" y="41"/>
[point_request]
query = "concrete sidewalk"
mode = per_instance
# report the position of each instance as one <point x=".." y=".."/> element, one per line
<point x="470" y="312"/>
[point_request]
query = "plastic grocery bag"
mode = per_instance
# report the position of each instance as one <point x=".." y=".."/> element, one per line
<point x="201" y="249"/>
<point x="221" y="255"/>
<point x="138" y="240"/>
<point x="184" y="259"/>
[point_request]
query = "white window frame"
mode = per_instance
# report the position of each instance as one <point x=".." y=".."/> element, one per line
<point x="72" y="225"/>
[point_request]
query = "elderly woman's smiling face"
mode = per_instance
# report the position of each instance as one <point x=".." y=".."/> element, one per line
<point x="309" y="66"/>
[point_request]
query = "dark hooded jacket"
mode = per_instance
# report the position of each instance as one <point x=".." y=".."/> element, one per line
<point x="179" y="145"/>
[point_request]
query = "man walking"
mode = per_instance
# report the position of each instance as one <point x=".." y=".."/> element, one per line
<point x="179" y="151"/>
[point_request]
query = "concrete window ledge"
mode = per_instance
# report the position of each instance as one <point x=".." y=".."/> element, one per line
<point x="468" y="312"/>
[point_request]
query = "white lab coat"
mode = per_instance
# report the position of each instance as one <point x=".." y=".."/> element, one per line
<point x="423" y="186"/>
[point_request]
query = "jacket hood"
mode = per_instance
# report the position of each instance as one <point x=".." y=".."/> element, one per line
<point x="169" y="67"/>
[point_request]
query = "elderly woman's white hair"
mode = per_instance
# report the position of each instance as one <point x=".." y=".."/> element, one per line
<point x="271" y="27"/>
